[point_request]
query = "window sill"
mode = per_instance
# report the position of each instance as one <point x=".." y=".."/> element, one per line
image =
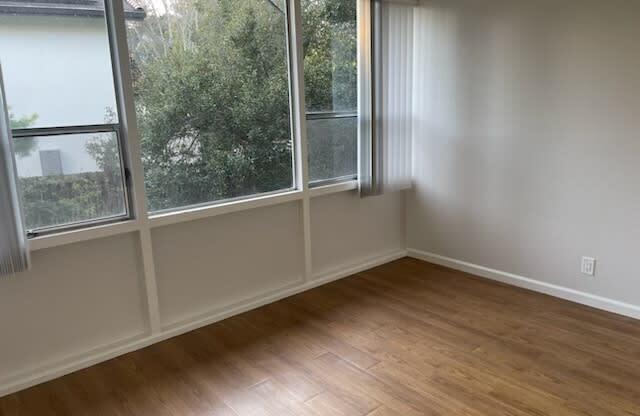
<point x="190" y="214"/>
<point x="349" y="185"/>
<point x="163" y="219"/>
<point x="84" y="234"/>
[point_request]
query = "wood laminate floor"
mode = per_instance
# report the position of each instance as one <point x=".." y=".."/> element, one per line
<point x="407" y="338"/>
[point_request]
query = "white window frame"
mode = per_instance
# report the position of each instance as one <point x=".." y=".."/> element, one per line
<point x="122" y="136"/>
<point x="139" y="219"/>
<point x="23" y="133"/>
<point x="331" y="115"/>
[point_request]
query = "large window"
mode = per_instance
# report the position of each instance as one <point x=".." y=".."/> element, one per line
<point x="330" y="74"/>
<point x="207" y="84"/>
<point x="211" y="86"/>
<point x="59" y="88"/>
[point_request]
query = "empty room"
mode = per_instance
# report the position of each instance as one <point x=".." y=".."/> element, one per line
<point x="319" y="207"/>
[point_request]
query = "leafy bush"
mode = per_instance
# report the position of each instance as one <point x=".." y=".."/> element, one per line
<point x="55" y="200"/>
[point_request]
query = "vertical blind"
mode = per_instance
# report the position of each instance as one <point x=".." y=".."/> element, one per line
<point x="386" y="91"/>
<point x="396" y="111"/>
<point x="14" y="253"/>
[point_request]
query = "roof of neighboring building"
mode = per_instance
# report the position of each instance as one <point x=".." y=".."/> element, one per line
<point x="91" y="8"/>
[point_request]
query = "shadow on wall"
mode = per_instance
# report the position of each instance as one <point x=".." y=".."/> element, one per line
<point x="524" y="138"/>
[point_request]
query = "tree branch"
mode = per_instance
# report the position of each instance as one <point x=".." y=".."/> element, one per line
<point x="275" y="6"/>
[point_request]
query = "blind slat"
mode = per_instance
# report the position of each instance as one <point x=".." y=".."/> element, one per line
<point x="14" y="252"/>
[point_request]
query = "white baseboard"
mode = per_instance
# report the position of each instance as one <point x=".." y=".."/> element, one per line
<point x="599" y="302"/>
<point x="28" y="379"/>
<point x="274" y="295"/>
<point x="344" y="271"/>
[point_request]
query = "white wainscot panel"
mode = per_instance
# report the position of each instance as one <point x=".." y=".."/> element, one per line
<point x="212" y="264"/>
<point x="76" y="298"/>
<point x="347" y="229"/>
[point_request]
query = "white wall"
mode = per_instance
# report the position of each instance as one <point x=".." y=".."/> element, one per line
<point x="76" y="298"/>
<point x="84" y="301"/>
<point x="527" y="154"/>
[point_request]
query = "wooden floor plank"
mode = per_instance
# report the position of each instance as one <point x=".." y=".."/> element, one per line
<point x="407" y="338"/>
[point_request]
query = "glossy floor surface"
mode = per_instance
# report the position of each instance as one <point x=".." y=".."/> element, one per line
<point x="407" y="338"/>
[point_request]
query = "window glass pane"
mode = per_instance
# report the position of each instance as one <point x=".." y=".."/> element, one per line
<point x="212" y="99"/>
<point x="56" y="63"/>
<point x="331" y="75"/>
<point x="69" y="178"/>
<point x="332" y="142"/>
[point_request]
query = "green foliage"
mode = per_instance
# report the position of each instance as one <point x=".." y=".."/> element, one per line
<point x="212" y="93"/>
<point x="63" y="199"/>
<point x="332" y="147"/>
<point x="22" y="122"/>
<point x="24" y="146"/>
<point x="212" y="101"/>
<point x="330" y="47"/>
<point x="105" y="151"/>
<point x="55" y="200"/>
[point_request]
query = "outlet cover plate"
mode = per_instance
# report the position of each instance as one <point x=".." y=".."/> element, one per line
<point x="588" y="266"/>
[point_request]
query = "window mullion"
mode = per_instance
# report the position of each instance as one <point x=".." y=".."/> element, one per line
<point x="298" y="108"/>
<point x="130" y="139"/>
<point x="132" y="152"/>
<point x="296" y="75"/>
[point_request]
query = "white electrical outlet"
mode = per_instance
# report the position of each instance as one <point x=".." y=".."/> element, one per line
<point x="588" y="266"/>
